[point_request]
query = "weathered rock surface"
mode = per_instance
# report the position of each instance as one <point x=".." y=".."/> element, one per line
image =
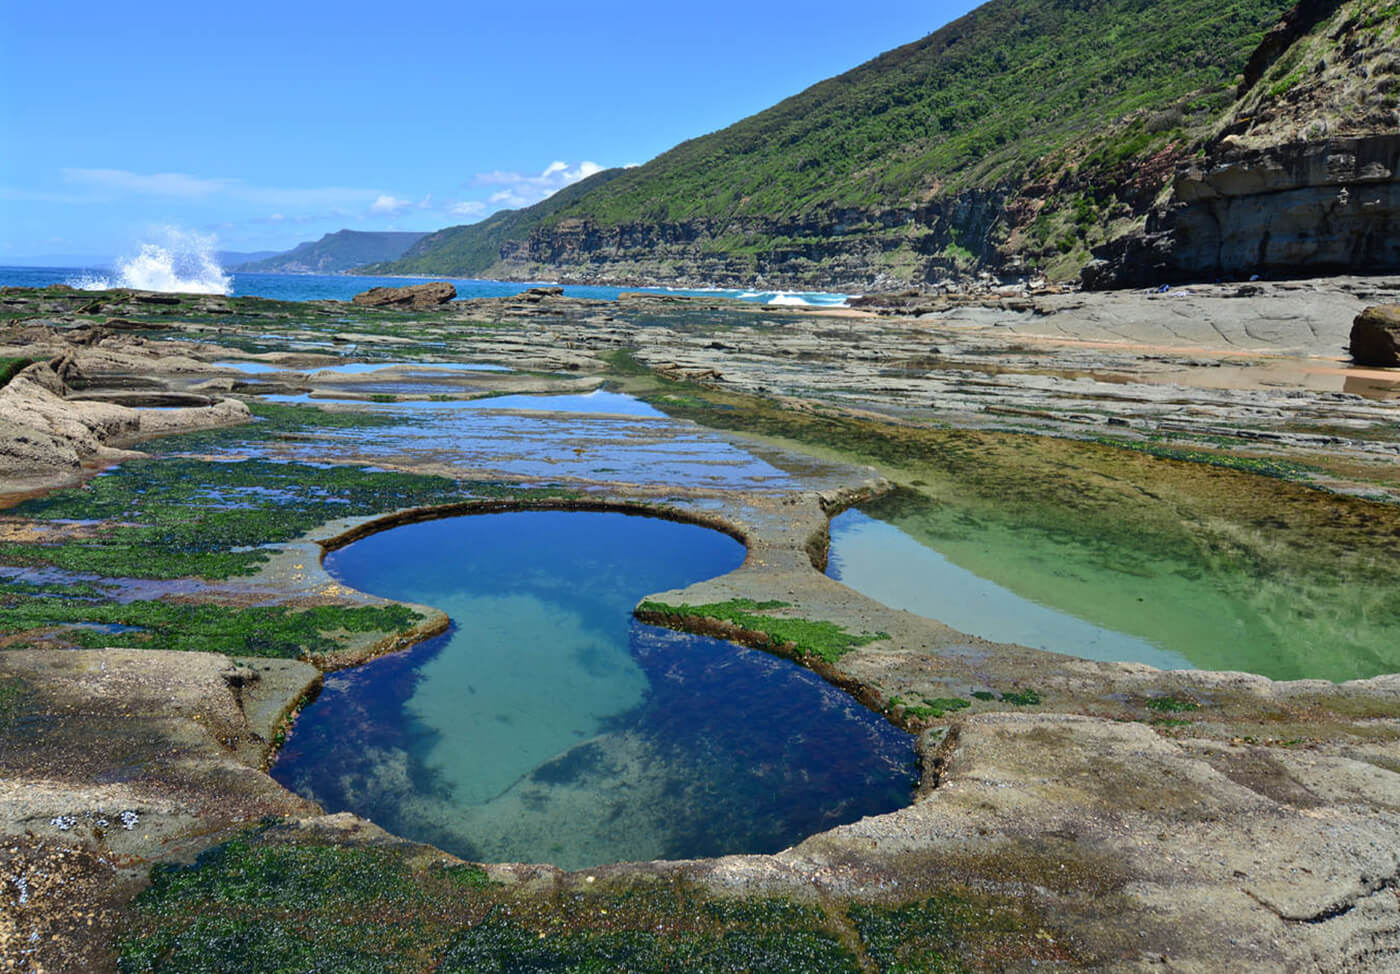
<point x="1375" y="336"/>
<point x="416" y="297"/>
<point x="1260" y="836"/>
<point x="1290" y="210"/>
<point x="141" y="754"/>
<point x="46" y="435"/>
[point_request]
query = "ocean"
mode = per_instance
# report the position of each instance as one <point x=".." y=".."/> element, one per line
<point x="158" y="275"/>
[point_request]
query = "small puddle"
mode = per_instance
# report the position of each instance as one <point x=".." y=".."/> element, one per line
<point x="550" y="726"/>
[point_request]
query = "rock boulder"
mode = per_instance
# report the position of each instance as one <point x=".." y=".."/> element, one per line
<point x="417" y="297"/>
<point x="1375" y="336"/>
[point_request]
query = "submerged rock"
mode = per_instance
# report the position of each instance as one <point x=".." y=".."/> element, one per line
<point x="415" y="296"/>
<point x="1375" y="336"/>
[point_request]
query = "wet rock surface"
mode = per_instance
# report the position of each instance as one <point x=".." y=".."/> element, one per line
<point x="1074" y="814"/>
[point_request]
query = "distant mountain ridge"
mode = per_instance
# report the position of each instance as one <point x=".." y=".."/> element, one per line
<point x="1017" y="140"/>
<point x="335" y="253"/>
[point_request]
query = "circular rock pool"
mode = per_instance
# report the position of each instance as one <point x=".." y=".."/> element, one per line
<point x="550" y="726"/>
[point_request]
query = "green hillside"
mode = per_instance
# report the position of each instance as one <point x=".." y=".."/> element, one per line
<point x="335" y="252"/>
<point x="467" y="250"/>
<point x="1060" y="104"/>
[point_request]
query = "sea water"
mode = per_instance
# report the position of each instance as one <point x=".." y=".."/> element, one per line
<point x="1086" y="596"/>
<point x="150" y="271"/>
<point x="548" y="725"/>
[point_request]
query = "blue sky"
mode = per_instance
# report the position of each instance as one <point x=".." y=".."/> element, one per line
<point x="268" y="124"/>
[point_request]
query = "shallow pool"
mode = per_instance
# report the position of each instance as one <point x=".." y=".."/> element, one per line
<point x="881" y="561"/>
<point x="1311" y="612"/>
<point x="600" y="435"/>
<point x="548" y="725"/>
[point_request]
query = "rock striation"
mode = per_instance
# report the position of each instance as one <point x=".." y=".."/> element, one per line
<point x="416" y="297"/>
<point x="1375" y="336"/>
<point x="1304" y="208"/>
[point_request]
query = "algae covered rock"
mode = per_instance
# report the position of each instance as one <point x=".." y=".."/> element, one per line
<point x="1375" y="336"/>
<point x="415" y="296"/>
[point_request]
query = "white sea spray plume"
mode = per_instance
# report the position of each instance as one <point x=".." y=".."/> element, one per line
<point x="788" y="298"/>
<point x="183" y="262"/>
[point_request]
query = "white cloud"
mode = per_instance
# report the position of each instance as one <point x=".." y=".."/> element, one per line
<point x="467" y="208"/>
<point x="387" y="205"/>
<point x="520" y="189"/>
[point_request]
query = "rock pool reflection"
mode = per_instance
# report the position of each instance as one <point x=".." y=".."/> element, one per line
<point x="881" y="561"/>
<point x="550" y="726"/>
<point x="1302" y="601"/>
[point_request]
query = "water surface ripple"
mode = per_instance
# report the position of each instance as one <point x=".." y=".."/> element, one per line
<point x="548" y="725"/>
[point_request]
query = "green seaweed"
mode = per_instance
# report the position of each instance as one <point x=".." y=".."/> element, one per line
<point x="182" y="517"/>
<point x="804" y="637"/>
<point x="259" y="904"/>
<point x="952" y="932"/>
<point x="501" y="946"/>
<point x="13" y="692"/>
<point x="275" y="631"/>
<point x="11" y="367"/>
<point x="1172" y="704"/>
<point x="934" y="708"/>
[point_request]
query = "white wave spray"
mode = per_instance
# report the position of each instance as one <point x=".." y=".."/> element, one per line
<point x="183" y="262"/>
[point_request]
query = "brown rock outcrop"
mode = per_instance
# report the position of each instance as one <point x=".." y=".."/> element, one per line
<point x="417" y="297"/>
<point x="1375" y="336"/>
<point x="1304" y="208"/>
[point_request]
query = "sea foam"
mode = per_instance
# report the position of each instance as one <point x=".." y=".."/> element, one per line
<point x="182" y="262"/>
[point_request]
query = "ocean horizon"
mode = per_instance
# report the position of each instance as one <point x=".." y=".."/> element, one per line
<point x="343" y="287"/>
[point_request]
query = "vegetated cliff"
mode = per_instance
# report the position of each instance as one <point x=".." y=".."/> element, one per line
<point x="335" y="252"/>
<point x="1300" y="176"/>
<point x="1014" y="139"/>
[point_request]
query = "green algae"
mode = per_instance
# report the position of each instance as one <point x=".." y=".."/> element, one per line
<point x="184" y="518"/>
<point x="803" y="637"/>
<point x="1263" y="466"/>
<point x="950" y="933"/>
<point x="11" y="367"/>
<point x="1171" y="705"/>
<point x="273" y="421"/>
<point x="930" y="708"/>
<point x="259" y="903"/>
<point x="13" y="693"/>
<point x="1202" y="557"/>
<point x="274" y="631"/>
<point x="180" y="517"/>
<point x="499" y="946"/>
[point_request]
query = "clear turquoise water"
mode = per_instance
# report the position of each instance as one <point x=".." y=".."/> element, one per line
<point x="1315" y="603"/>
<point x="343" y="287"/>
<point x="549" y="725"/>
<point x="881" y="561"/>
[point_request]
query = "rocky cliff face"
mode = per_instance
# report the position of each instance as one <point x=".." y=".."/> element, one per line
<point x="849" y="249"/>
<point x="1301" y="177"/>
<point x="1281" y="159"/>
<point x="1304" y="208"/>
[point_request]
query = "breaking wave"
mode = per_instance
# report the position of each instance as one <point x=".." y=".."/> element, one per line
<point x="183" y="262"/>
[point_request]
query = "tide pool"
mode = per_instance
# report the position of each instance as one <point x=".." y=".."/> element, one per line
<point x="549" y="725"/>
<point x="881" y="561"/>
